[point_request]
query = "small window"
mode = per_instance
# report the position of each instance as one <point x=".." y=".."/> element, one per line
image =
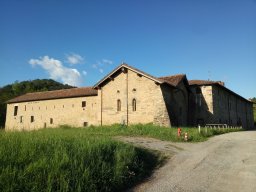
<point x="83" y="103"/>
<point x="51" y="120"/>
<point x="21" y="119"/>
<point x="25" y="108"/>
<point x="63" y="106"/>
<point x="15" y="110"/>
<point x="134" y="105"/>
<point x="118" y="91"/>
<point x="118" y="105"/>
<point x="32" y="119"/>
<point x="85" y="124"/>
<point x="134" y="90"/>
<point x="38" y="108"/>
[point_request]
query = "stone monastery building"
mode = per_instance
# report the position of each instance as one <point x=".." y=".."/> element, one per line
<point x="130" y="96"/>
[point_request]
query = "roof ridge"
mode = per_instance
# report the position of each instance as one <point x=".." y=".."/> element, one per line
<point x="58" y="90"/>
<point x="55" y="94"/>
<point x="180" y="74"/>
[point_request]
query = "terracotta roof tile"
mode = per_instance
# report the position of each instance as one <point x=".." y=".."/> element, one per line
<point x="205" y="82"/>
<point x="57" y="94"/>
<point x="173" y="80"/>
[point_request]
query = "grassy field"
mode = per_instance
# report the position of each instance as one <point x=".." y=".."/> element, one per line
<point x="81" y="159"/>
<point x="149" y="130"/>
<point x="69" y="160"/>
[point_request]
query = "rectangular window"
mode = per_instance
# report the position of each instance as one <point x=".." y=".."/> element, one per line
<point x="51" y="120"/>
<point x="83" y="103"/>
<point x="32" y="119"/>
<point x="15" y="110"/>
<point x="85" y="124"/>
<point x="21" y="119"/>
<point x="118" y="105"/>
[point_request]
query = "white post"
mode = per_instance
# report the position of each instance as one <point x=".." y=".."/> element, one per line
<point x="199" y="129"/>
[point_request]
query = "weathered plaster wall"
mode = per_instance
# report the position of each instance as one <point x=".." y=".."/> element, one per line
<point x="62" y="111"/>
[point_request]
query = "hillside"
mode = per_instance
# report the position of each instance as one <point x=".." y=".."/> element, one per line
<point x="19" y="88"/>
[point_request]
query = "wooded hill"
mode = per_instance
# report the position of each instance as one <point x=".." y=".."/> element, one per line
<point x="19" y="88"/>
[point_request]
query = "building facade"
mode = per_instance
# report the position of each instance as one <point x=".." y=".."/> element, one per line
<point x="130" y="96"/>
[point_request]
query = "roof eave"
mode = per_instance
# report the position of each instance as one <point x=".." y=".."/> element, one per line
<point x="128" y="67"/>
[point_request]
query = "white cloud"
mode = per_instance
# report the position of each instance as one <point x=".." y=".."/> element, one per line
<point x="95" y="66"/>
<point x="57" y="71"/>
<point x="74" y="59"/>
<point x="107" y="61"/>
<point x="99" y="65"/>
<point x="84" y="73"/>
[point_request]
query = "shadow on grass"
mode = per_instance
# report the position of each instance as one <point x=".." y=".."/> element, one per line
<point x="152" y="161"/>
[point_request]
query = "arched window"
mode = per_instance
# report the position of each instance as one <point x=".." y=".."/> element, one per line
<point x="134" y="105"/>
<point x="118" y="105"/>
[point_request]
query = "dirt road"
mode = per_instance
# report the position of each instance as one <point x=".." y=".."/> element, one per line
<point x="223" y="163"/>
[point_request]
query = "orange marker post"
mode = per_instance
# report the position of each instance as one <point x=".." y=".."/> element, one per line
<point x="179" y="132"/>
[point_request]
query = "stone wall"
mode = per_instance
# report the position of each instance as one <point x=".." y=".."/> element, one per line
<point x="176" y="100"/>
<point x="231" y="109"/>
<point x="52" y="113"/>
<point x="219" y="106"/>
<point x="201" y="105"/>
<point x="127" y="86"/>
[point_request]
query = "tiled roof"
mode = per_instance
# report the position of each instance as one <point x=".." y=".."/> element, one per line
<point x="58" y="94"/>
<point x="173" y="80"/>
<point x="205" y="82"/>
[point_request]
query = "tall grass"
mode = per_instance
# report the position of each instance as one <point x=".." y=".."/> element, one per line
<point x="59" y="160"/>
<point x="150" y="130"/>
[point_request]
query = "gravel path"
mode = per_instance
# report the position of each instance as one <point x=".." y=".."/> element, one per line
<point x="223" y="163"/>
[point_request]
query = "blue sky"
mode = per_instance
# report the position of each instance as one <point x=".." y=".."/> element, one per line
<point x="80" y="41"/>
